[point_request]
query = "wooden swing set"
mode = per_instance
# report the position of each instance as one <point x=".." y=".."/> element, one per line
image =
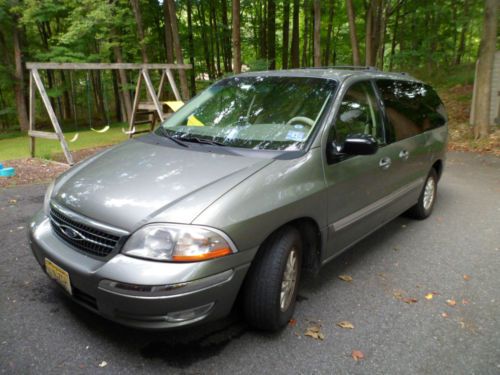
<point x="154" y="107"/>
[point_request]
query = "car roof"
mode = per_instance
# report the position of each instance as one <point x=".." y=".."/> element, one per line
<point x="337" y="73"/>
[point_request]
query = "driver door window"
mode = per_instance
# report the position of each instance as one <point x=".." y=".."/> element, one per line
<point x="359" y="113"/>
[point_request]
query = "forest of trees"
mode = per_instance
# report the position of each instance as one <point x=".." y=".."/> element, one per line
<point x="216" y="36"/>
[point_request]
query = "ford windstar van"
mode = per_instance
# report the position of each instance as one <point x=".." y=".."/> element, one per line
<point x="261" y="176"/>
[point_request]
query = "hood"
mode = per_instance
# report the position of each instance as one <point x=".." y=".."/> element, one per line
<point x="139" y="182"/>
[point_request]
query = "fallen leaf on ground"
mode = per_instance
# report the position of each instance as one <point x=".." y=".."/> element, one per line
<point x="314" y="331"/>
<point x="444" y="315"/>
<point x="292" y="322"/>
<point x="467" y="277"/>
<point x="103" y="364"/>
<point x="345" y="278"/>
<point x="409" y="300"/>
<point x="451" y="302"/>
<point x="345" y="324"/>
<point x="429" y="296"/>
<point x="357" y="355"/>
<point x="12" y="201"/>
<point x="398" y="295"/>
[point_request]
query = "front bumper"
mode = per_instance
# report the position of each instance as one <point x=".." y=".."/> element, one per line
<point x="120" y="288"/>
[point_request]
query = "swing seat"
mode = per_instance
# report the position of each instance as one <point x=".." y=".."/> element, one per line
<point x="75" y="138"/>
<point x="128" y="132"/>
<point x="103" y="130"/>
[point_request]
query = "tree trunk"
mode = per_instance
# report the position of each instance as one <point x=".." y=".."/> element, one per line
<point x="215" y="36"/>
<point x="191" y="47"/>
<point x="481" y="120"/>
<point x="177" y="49"/>
<point x="331" y="11"/>
<point x="306" y="33"/>
<point x="236" y="37"/>
<point x="356" y="60"/>
<point x="19" y="87"/>
<point x="381" y="40"/>
<point x="206" y="49"/>
<point x="140" y="29"/>
<point x="124" y="92"/>
<point x="463" y="33"/>
<point x="66" y="97"/>
<point x="169" y="44"/>
<point x="226" y="39"/>
<point x="263" y="29"/>
<point x="394" y="39"/>
<point x="317" y="33"/>
<point x="271" y="34"/>
<point x="286" y="34"/>
<point x="294" y="52"/>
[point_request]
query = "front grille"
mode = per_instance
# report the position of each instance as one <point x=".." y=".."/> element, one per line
<point x="83" y="237"/>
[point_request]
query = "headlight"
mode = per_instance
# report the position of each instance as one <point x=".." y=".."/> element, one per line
<point x="181" y="243"/>
<point x="46" y="200"/>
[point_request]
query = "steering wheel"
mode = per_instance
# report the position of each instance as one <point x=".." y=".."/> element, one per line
<point x="302" y="119"/>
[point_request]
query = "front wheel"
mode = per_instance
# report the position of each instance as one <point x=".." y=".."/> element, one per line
<point x="427" y="198"/>
<point x="272" y="283"/>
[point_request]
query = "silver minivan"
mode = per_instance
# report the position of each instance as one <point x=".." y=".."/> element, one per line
<point x="261" y="176"/>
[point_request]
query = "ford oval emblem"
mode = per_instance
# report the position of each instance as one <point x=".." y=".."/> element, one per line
<point x="71" y="233"/>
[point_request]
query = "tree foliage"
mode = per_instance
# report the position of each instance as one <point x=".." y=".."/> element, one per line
<point x="391" y="34"/>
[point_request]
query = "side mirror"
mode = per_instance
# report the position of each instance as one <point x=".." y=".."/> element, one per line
<point x="354" y="144"/>
<point x="359" y="144"/>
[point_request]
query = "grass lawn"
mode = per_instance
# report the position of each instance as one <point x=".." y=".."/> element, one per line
<point x="16" y="145"/>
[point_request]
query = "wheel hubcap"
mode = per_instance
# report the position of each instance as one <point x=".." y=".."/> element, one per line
<point x="429" y="190"/>
<point x="289" y="280"/>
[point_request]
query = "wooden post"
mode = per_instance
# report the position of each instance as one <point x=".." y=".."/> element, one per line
<point x="171" y="80"/>
<point x="52" y="115"/>
<point x="32" y="115"/>
<point x="162" y="83"/>
<point x="137" y="95"/>
<point x="152" y="93"/>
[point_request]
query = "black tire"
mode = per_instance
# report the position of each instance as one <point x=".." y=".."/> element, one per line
<point x="419" y="211"/>
<point x="262" y="304"/>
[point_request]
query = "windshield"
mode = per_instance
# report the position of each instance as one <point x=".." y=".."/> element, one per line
<point x="275" y="113"/>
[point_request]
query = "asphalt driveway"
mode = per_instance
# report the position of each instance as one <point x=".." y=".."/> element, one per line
<point x="454" y="256"/>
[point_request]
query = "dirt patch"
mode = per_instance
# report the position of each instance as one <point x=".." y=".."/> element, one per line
<point x="31" y="171"/>
<point x="80" y="154"/>
<point x="35" y="171"/>
<point x="457" y="102"/>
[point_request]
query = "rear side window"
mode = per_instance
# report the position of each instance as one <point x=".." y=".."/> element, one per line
<point x="411" y="108"/>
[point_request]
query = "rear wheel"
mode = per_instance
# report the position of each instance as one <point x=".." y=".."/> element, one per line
<point x="272" y="283"/>
<point x="427" y="198"/>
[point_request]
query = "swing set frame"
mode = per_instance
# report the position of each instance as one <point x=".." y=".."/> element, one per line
<point x="36" y="83"/>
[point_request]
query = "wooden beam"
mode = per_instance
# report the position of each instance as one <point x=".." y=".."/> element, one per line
<point x="45" y="135"/>
<point x="152" y="94"/>
<point x="102" y="66"/>
<point x="162" y="83"/>
<point x="137" y="96"/>
<point x="52" y="115"/>
<point x="32" y="115"/>
<point x="171" y="79"/>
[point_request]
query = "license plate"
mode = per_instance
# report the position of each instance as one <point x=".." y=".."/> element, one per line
<point x="58" y="274"/>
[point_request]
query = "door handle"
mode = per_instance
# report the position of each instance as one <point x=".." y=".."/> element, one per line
<point x="404" y="154"/>
<point x="385" y="162"/>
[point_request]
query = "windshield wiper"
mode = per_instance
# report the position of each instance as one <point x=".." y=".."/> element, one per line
<point x="165" y="134"/>
<point x="202" y="141"/>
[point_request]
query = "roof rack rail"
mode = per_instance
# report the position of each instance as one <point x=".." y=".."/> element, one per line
<point x="344" y="67"/>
